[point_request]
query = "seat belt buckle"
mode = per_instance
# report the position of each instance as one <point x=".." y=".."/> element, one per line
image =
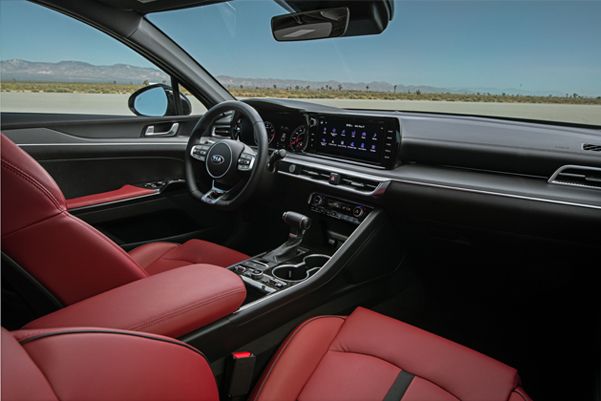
<point x="239" y="374"/>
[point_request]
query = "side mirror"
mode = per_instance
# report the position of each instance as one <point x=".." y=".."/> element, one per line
<point x="307" y="25"/>
<point x="157" y="100"/>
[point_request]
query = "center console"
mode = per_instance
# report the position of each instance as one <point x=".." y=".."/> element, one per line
<point x="294" y="261"/>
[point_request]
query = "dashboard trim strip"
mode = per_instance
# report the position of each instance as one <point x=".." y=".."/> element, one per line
<point x="494" y="193"/>
<point x="426" y="184"/>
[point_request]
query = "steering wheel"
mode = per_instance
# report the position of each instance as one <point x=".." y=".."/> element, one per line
<point x="231" y="169"/>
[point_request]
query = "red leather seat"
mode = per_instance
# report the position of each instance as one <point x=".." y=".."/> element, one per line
<point x="367" y="356"/>
<point x="70" y="258"/>
<point x="82" y="364"/>
<point x="363" y="357"/>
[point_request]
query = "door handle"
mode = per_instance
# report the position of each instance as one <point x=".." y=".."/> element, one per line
<point x="170" y="132"/>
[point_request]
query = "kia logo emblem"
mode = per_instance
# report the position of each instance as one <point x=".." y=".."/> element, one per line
<point x="217" y="159"/>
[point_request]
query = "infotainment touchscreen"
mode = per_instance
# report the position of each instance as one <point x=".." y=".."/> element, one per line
<point x="352" y="138"/>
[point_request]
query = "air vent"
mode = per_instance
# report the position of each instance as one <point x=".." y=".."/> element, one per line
<point x="222" y="130"/>
<point x="359" y="184"/>
<point x="340" y="180"/>
<point x="578" y="176"/>
<point x="314" y="173"/>
<point x="591" y="147"/>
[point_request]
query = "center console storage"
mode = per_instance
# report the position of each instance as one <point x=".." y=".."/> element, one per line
<point x="171" y="303"/>
<point x="300" y="271"/>
<point x="271" y="277"/>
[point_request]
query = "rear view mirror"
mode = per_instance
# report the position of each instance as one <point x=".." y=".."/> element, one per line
<point x="307" y="25"/>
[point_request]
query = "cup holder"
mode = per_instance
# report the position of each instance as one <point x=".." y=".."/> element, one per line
<point x="301" y="271"/>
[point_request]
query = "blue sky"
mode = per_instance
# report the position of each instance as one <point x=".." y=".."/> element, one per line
<point x="540" y="46"/>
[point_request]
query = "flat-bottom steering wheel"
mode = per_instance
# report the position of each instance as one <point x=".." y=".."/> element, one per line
<point x="231" y="169"/>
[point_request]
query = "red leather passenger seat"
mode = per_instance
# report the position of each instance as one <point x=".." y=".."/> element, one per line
<point x="370" y="357"/>
<point x="362" y="357"/>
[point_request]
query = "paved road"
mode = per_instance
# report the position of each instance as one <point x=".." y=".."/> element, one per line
<point x="117" y="105"/>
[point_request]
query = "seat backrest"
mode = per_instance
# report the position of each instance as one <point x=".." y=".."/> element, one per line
<point x="82" y="364"/>
<point x="66" y="255"/>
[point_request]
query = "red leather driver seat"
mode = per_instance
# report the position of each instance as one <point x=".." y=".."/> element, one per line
<point x="362" y="357"/>
<point x="70" y="258"/>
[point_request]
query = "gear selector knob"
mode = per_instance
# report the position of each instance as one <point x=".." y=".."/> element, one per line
<point x="297" y="220"/>
<point x="298" y="223"/>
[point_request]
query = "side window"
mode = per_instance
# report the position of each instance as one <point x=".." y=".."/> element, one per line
<point x="52" y="63"/>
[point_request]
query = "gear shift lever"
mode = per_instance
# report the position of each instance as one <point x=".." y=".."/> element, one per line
<point x="299" y="224"/>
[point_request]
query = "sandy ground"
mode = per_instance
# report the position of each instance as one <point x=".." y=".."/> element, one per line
<point x="117" y="105"/>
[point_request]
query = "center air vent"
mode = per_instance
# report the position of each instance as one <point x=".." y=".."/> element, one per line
<point x="579" y="176"/>
<point x="591" y="147"/>
<point x="341" y="180"/>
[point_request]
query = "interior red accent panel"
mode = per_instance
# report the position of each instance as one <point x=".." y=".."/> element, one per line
<point x="157" y="257"/>
<point x="69" y="257"/>
<point x="123" y="193"/>
<point x="359" y="358"/>
<point x="102" y="364"/>
<point x="172" y="303"/>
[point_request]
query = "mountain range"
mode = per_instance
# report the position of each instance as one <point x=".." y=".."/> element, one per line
<point x="78" y="71"/>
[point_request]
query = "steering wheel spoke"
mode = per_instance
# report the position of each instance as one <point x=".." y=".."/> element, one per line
<point x="214" y="195"/>
<point x="246" y="161"/>
<point x="199" y="152"/>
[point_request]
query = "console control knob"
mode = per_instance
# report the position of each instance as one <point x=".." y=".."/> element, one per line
<point x="358" y="211"/>
<point x="256" y="274"/>
<point x="317" y="200"/>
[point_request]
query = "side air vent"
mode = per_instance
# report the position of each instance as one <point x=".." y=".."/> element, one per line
<point x="591" y="147"/>
<point x="578" y="176"/>
<point x="222" y="130"/>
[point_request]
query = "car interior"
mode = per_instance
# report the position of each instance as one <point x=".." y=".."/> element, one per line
<point x="249" y="253"/>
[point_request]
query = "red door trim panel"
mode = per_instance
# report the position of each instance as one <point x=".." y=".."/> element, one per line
<point x="126" y="192"/>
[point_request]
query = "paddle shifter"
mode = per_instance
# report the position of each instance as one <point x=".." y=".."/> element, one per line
<point x="299" y="224"/>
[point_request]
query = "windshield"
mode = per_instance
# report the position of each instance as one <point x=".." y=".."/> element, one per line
<point x="535" y="60"/>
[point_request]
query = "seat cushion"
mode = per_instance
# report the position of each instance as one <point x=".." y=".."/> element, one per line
<point x="157" y="257"/>
<point x="368" y="356"/>
<point x="85" y="364"/>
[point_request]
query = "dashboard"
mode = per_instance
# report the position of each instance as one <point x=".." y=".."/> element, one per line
<point x="465" y="165"/>
<point x="372" y="140"/>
